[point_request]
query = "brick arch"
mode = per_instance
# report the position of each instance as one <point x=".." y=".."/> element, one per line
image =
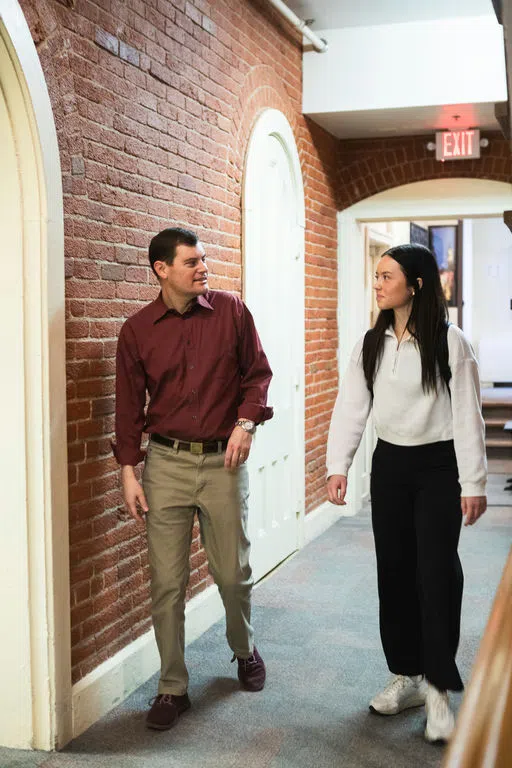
<point x="52" y="48"/>
<point x="317" y="149"/>
<point x="366" y="168"/>
<point x="261" y="89"/>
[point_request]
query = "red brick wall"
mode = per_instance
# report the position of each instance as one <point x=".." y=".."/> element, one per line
<point x="374" y="165"/>
<point x="154" y="102"/>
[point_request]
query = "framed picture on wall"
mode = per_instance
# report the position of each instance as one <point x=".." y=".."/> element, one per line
<point x="419" y="235"/>
<point x="443" y="243"/>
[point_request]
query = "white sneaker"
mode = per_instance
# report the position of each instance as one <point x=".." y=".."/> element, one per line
<point x="401" y="693"/>
<point x="440" y="719"/>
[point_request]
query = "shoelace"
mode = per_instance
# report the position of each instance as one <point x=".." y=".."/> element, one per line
<point x="397" y="684"/>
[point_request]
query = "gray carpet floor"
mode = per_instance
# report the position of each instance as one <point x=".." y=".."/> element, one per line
<point x="317" y="628"/>
<point x="496" y="485"/>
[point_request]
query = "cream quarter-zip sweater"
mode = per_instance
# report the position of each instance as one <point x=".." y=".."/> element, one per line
<point x="404" y="415"/>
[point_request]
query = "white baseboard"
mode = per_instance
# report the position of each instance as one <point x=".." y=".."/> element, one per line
<point x="110" y="683"/>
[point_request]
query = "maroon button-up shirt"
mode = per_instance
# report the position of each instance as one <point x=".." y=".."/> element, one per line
<point x="203" y="370"/>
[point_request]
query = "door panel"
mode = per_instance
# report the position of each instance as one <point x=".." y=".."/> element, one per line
<point x="274" y="294"/>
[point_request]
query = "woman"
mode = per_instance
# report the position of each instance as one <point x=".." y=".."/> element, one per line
<point x="420" y="377"/>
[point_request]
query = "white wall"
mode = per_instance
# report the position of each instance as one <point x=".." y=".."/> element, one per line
<point x="492" y="293"/>
<point x="401" y="232"/>
<point x="449" y="61"/>
<point x="395" y="232"/>
<point x="467" y="278"/>
<point x="436" y="199"/>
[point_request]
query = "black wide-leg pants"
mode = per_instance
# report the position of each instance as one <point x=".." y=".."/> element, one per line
<point x="416" y="517"/>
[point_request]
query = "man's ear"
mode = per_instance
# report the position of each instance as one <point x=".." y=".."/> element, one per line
<point x="420" y="283"/>
<point x="161" y="268"/>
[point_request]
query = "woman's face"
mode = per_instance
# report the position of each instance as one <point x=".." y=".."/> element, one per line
<point x="390" y="285"/>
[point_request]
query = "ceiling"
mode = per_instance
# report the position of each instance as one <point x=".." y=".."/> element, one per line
<point x="334" y="14"/>
<point x="408" y="121"/>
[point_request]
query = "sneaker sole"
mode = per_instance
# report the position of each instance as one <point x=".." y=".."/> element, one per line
<point x="437" y="742"/>
<point x="156" y="727"/>
<point x="440" y="740"/>
<point x="252" y="689"/>
<point x="410" y="705"/>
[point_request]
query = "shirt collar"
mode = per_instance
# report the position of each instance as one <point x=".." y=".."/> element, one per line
<point x="159" y="308"/>
<point x="391" y="332"/>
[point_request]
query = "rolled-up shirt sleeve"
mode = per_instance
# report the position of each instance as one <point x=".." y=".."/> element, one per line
<point x="468" y="426"/>
<point x="349" y="416"/>
<point x="255" y="370"/>
<point x="130" y="399"/>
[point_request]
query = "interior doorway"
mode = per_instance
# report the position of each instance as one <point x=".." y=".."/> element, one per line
<point x="435" y="200"/>
<point x="35" y="667"/>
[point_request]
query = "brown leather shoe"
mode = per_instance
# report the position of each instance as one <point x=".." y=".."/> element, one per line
<point x="251" y="671"/>
<point x="165" y="710"/>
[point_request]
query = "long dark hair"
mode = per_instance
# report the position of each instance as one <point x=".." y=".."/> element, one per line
<point x="427" y="322"/>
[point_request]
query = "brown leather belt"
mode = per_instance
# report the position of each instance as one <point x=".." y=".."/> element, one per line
<point x="212" y="446"/>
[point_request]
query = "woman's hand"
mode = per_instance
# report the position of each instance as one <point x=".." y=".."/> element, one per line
<point x="336" y="489"/>
<point x="473" y="507"/>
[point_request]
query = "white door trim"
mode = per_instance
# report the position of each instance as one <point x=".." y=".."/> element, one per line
<point x="433" y="199"/>
<point x="272" y="122"/>
<point x="44" y="720"/>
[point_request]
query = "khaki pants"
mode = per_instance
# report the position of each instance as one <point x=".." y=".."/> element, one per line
<point x="177" y="484"/>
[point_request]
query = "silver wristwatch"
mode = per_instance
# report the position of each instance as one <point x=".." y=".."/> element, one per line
<point x="247" y="425"/>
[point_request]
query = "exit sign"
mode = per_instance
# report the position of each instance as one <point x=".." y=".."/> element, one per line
<point x="457" y="145"/>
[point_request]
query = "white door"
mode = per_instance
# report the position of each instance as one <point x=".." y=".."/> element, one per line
<point x="274" y="292"/>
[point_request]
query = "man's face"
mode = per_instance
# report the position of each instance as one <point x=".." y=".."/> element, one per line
<point x="187" y="276"/>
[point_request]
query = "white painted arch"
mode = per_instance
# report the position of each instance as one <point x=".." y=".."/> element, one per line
<point x="273" y="265"/>
<point x="433" y="199"/>
<point x="35" y="668"/>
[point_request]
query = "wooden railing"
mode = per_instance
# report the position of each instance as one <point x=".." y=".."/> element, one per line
<point x="483" y="735"/>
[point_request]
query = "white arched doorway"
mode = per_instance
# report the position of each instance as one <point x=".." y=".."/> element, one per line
<point x="35" y="669"/>
<point x="434" y="199"/>
<point x="273" y="248"/>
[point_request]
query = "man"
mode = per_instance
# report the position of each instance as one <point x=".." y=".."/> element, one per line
<point x="198" y="355"/>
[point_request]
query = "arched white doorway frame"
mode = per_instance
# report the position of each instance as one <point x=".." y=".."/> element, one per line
<point x="272" y="126"/>
<point x="434" y="199"/>
<point x="35" y="668"/>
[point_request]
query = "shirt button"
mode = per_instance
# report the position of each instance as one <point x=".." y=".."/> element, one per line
<point x="193" y="392"/>
<point x="194" y="418"/>
<point x="191" y="367"/>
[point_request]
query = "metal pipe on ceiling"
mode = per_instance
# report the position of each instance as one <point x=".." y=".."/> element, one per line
<point x="319" y="44"/>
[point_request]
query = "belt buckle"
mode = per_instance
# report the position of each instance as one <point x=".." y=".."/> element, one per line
<point x="196" y="448"/>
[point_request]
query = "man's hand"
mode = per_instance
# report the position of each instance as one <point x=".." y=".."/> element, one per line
<point x="336" y="489"/>
<point x="473" y="507"/>
<point x="238" y="449"/>
<point x="133" y="494"/>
